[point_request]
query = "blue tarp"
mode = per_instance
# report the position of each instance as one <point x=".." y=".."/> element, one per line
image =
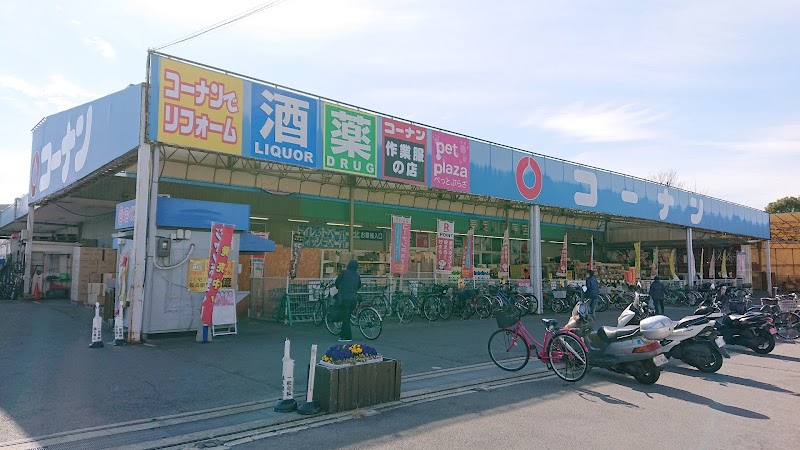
<point x="250" y="243"/>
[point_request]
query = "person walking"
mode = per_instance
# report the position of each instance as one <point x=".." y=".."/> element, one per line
<point x="348" y="283"/>
<point x="592" y="292"/>
<point x="657" y="293"/>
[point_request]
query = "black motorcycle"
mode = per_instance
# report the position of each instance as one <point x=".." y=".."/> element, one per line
<point x="754" y="330"/>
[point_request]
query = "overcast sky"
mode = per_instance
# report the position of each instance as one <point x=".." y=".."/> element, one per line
<point x="708" y="88"/>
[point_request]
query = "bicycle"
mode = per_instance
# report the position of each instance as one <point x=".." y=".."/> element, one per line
<point x="366" y="317"/>
<point x="467" y="302"/>
<point x="325" y="297"/>
<point x="511" y="346"/>
<point x="409" y="304"/>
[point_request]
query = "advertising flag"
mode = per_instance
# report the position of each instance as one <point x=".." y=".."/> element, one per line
<point x="221" y="237"/>
<point x="637" y="248"/>
<point x="444" y="246"/>
<point x="401" y="245"/>
<point x="724" y="268"/>
<point x="672" y="273"/>
<point x="591" y="256"/>
<point x="297" y="248"/>
<point x="654" y="266"/>
<point x="700" y="267"/>
<point x="504" y="263"/>
<point x="741" y="264"/>
<point x="469" y="250"/>
<point x="562" y="266"/>
<point x="712" y="269"/>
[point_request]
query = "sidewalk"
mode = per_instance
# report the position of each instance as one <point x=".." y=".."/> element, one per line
<point x="52" y="382"/>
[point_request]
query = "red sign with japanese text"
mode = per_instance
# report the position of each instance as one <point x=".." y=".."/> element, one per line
<point x="401" y="245"/>
<point x="562" y="266"/>
<point x="221" y="237"/>
<point x="467" y="260"/>
<point x="199" y="108"/>
<point x="504" y="263"/>
<point x="445" y="246"/>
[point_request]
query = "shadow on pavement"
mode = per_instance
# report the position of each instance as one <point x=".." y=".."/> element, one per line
<point x="767" y="356"/>
<point x="724" y="379"/>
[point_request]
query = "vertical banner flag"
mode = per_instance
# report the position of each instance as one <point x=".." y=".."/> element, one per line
<point x="672" y="273"/>
<point x="297" y="247"/>
<point x="504" y="263"/>
<point x="469" y="250"/>
<point x="654" y="265"/>
<point x="724" y="268"/>
<point x="562" y="266"/>
<point x="444" y="246"/>
<point x="591" y="256"/>
<point x="221" y="237"/>
<point x="700" y="267"/>
<point x="401" y="245"/>
<point x="637" y="248"/>
<point x="741" y="261"/>
<point x="712" y="269"/>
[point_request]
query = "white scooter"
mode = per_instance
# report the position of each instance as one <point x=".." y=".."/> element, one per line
<point x="693" y="340"/>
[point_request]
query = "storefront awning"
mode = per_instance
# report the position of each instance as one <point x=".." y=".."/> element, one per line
<point x="250" y="243"/>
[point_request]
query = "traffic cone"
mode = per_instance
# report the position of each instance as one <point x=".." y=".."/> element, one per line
<point x="97" y="328"/>
<point x="36" y="294"/>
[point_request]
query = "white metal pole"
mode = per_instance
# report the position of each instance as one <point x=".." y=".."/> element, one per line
<point x="769" y="267"/>
<point x="535" y="250"/>
<point x="27" y="289"/>
<point x="311" y="371"/>
<point x="690" y="257"/>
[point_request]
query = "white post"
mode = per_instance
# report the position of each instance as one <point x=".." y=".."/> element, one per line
<point x="287" y="402"/>
<point x="97" y="328"/>
<point x="144" y="171"/>
<point x="769" y="268"/>
<point x="535" y="250"/>
<point x="313" y="363"/>
<point x="27" y="289"/>
<point x="690" y="257"/>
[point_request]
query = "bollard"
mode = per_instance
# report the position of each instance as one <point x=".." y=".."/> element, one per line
<point x="97" y="328"/>
<point x="310" y="406"/>
<point x="119" y="335"/>
<point x="287" y="402"/>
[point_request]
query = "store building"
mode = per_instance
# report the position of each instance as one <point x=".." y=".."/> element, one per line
<point x="336" y="174"/>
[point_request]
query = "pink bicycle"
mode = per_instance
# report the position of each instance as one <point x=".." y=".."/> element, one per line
<point x="511" y="346"/>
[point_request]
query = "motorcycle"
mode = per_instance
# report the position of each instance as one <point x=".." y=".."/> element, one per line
<point x="693" y="340"/>
<point x="632" y="350"/>
<point x="754" y="330"/>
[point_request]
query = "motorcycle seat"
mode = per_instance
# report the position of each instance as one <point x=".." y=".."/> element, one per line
<point x="689" y="321"/>
<point x="611" y="334"/>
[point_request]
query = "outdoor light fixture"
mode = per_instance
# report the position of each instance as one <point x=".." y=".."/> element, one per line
<point x="298" y="220"/>
<point x="334" y="224"/>
<point x="258" y="218"/>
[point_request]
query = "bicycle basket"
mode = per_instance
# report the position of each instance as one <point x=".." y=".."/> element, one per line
<point x="506" y="318"/>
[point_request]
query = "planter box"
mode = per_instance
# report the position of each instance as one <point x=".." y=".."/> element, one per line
<point x="359" y="386"/>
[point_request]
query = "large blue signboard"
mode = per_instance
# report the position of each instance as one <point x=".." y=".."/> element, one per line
<point x="515" y="175"/>
<point x="282" y="126"/>
<point x="74" y="143"/>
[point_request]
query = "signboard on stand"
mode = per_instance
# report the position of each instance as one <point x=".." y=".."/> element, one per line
<point x="224" y="316"/>
<point x="297" y="248"/>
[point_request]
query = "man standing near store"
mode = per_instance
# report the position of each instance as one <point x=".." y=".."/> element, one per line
<point x="348" y="283"/>
<point x="592" y="292"/>
<point x="657" y="293"/>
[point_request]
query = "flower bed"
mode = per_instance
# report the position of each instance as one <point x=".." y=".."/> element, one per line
<point x="344" y="355"/>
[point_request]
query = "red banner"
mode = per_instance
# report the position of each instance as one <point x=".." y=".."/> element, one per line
<point x="401" y="245"/>
<point x="444" y="246"/>
<point x="221" y="237"/>
<point x="562" y="266"/>
<point x="504" y="262"/>
<point x="468" y="255"/>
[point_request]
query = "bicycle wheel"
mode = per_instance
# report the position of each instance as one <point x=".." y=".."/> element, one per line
<point x="370" y="323"/>
<point x="405" y="309"/>
<point x="508" y="350"/>
<point x="533" y="302"/>
<point x="333" y="327"/>
<point x="430" y="307"/>
<point x="380" y="303"/>
<point x="521" y="302"/>
<point x="319" y="312"/>
<point x="445" y="308"/>
<point x="558" y="305"/>
<point x="567" y="357"/>
<point x="602" y="302"/>
<point x="483" y="306"/>
<point x="788" y="325"/>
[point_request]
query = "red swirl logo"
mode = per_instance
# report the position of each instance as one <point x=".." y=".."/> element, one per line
<point x="528" y="168"/>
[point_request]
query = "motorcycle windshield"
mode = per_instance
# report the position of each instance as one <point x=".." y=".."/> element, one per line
<point x="581" y="309"/>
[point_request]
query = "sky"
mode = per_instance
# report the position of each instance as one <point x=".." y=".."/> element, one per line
<point x="706" y="88"/>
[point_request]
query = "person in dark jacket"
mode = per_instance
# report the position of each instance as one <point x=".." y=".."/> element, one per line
<point x="592" y="291"/>
<point x="348" y="283"/>
<point x="657" y="292"/>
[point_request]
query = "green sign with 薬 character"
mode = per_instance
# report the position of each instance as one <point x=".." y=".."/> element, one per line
<point x="350" y="141"/>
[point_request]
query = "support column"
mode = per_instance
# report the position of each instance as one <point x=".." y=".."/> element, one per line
<point x="144" y="175"/>
<point x="769" y="267"/>
<point x="151" y="239"/>
<point x="690" y="257"/>
<point x="352" y="214"/>
<point x="535" y="250"/>
<point x="28" y="253"/>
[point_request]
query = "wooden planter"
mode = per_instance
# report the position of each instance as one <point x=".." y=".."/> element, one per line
<point x="357" y="386"/>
